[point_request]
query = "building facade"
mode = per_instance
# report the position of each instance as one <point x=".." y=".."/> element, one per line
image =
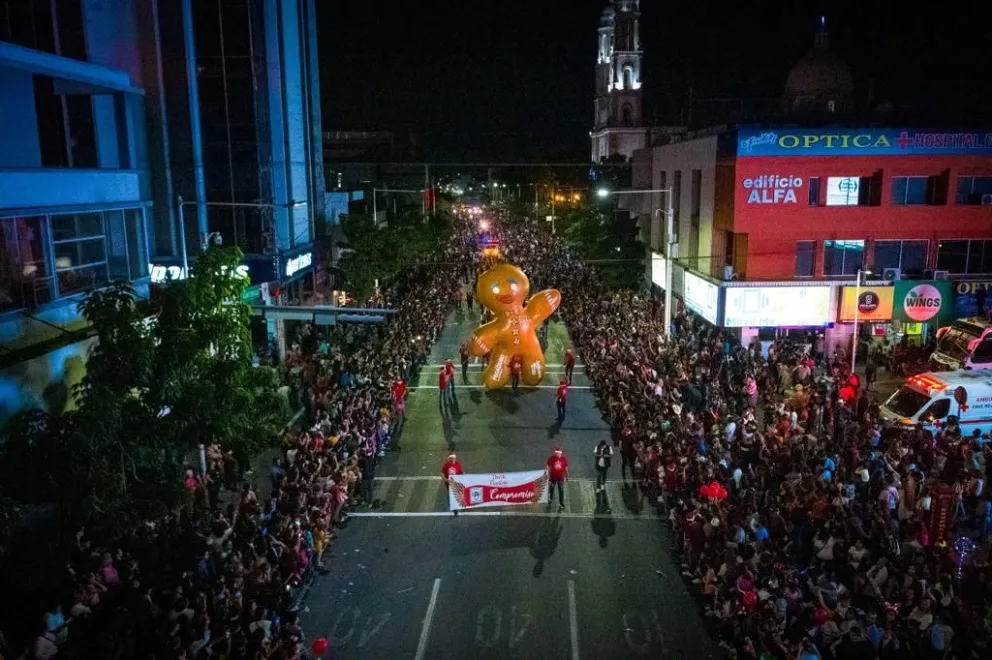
<point x="766" y="217"/>
<point x="244" y="149"/>
<point x="110" y="112"/>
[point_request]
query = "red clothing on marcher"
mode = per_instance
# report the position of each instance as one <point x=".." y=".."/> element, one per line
<point x="399" y="390"/>
<point x="450" y="467"/>
<point x="569" y="358"/>
<point x="449" y="369"/>
<point x="563" y="391"/>
<point x="516" y="365"/>
<point x="557" y="467"/>
<point x="442" y="379"/>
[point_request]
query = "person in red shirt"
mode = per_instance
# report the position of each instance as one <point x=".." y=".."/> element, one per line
<point x="560" y="399"/>
<point x="516" y="366"/>
<point x="399" y="391"/>
<point x="442" y="389"/>
<point x="557" y="474"/>
<point x="569" y="364"/>
<point x="449" y="468"/>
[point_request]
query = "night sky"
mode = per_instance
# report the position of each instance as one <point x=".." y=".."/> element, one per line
<point x="513" y="79"/>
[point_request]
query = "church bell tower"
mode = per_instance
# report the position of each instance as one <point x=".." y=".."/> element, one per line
<point x="618" y="123"/>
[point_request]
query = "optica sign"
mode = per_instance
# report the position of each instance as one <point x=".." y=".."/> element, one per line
<point x="862" y="141"/>
<point x="921" y="302"/>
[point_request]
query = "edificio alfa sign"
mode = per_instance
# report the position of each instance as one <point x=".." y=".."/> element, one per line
<point x="772" y="189"/>
<point x="298" y="263"/>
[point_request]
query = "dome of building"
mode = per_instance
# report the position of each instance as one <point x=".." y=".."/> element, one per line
<point x="820" y="72"/>
<point x="821" y="79"/>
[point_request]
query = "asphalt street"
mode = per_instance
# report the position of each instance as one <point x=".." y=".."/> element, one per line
<point x="410" y="580"/>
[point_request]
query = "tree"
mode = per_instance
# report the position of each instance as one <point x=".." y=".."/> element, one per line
<point x="157" y="385"/>
<point x="608" y="239"/>
<point x="385" y="253"/>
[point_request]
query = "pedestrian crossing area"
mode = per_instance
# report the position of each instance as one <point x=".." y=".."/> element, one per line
<point x="427" y="496"/>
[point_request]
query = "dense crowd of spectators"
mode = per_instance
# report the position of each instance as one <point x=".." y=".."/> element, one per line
<point x="820" y="547"/>
<point x="221" y="578"/>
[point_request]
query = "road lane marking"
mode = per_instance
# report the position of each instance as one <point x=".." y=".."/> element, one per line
<point x="573" y="620"/>
<point x="429" y="477"/>
<point x="425" y="633"/>
<point x="525" y="387"/>
<point x="474" y="365"/>
<point x="505" y="514"/>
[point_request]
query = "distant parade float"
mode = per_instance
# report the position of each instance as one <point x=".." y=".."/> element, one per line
<point x="512" y="335"/>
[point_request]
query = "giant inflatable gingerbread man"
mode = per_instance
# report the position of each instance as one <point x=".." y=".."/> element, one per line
<point x="513" y="333"/>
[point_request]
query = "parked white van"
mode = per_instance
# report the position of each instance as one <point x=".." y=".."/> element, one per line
<point x="965" y="345"/>
<point x="928" y="399"/>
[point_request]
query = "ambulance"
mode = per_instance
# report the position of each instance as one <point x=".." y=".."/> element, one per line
<point x="928" y="399"/>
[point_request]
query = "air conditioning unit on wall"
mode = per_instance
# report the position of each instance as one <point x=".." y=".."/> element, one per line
<point x="891" y="274"/>
<point x="986" y="200"/>
<point x="941" y="274"/>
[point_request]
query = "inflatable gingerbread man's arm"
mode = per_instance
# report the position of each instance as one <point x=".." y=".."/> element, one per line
<point x="484" y="339"/>
<point x="542" y="305"/>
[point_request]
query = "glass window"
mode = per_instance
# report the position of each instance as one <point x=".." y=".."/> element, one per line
<point x="136" y="256"/>
<point x="976" y="251"/>
<point x="910" y="189"/>
<point x="971" y="189"/>
<point x="80" y="251"/>
<point x="982" y="353"/>
<point x="805" y="258"/>
<point x="887" y="255"/>
<point x="24" y="279"/>
<point x="814" y="191"/>
<point x="843" y="258"/>
<point x="906" y="402"/>
<point x="939" y="409"/>
<point x="914" y="256"/>
<point x="76" y="226"/>
<point x="952" y="256"/>
<point x="117" y="244"/>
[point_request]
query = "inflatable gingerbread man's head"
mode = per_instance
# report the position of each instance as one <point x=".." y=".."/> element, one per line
<point x="502" y="288"/>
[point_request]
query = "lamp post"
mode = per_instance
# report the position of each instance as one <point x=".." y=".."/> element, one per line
<point x="857" y="295"/>
<point x="669" y="213"/>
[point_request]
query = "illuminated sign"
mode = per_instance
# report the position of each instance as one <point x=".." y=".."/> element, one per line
<point x="659" y="270"/>
<point x="776" y="307"/>
<point x="298" y="263"/>
<point x="772" y="189"/>
<point x="861" y="141"/>
<point x="161" y="274"/>
<point x="874" y="303"/>
<point x="843" y="190"/>
<point x="920" y="302"/>
<point x="702" y="297"/>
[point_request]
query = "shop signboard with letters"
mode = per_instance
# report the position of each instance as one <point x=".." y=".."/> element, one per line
<point x="873" y="303"/>
<point x="916" y="301"/>
<point x="784" y="141"/>
<point x="971" y="298"/>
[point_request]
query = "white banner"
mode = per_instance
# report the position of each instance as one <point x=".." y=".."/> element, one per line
<point x="472" y="491"/>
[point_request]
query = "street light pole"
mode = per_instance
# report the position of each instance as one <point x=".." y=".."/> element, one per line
<point x="669" y="236"/>
<point x="670" y="266"/>
<point x="857" y="295"/>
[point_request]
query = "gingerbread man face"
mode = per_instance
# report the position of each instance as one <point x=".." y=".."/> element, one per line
<point x="502" y="288"/>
